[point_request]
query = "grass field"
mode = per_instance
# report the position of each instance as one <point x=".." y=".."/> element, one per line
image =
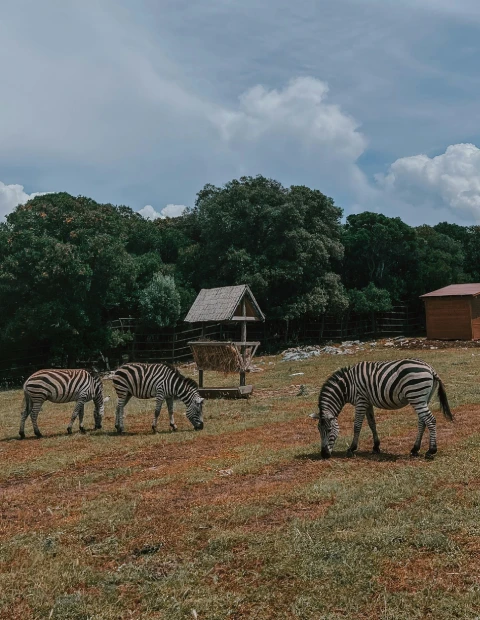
<point x="243" y="520"/>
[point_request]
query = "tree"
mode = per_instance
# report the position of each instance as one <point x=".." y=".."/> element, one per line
<point x="441" y="260"/>
<point x="370" y="300"/>
<point x="283" y="242"/>
<point x="66" y="269"/>
<point x="160" y="302"/>
<point x="380" y="250"/>
<point x="469" y="239"/>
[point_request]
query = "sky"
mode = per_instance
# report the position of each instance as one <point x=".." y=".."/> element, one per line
<point x="143" y="102"/>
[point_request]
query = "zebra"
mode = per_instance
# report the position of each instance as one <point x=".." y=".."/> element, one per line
<point x="62" y="386"/>
<point x="388" y="385"/>
<point x="160" y="381"/>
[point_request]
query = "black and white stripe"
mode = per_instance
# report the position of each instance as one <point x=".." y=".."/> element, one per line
<point x="159" y="381"/>
<point x="62" y="386"/>
<point x="387" y="385"/>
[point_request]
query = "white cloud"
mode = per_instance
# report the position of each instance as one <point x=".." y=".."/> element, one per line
<point x="451" y="180"/>
<point x="299" y="110"/>
<point x="13" y="195"/>
<point x="149" y="213"/>
<point x="171" y="210"/>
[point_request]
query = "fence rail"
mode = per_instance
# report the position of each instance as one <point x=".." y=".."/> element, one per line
<point x="171" y="344"/>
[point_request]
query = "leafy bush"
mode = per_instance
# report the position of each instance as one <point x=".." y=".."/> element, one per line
<point x="160" y="302"/>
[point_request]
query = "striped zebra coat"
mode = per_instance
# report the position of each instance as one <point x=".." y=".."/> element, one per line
<point x="62" y="386"/>
<point x="159" y="381"/>
<point x="387" y="385"/>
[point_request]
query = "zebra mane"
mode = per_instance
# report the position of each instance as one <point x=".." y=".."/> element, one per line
<point x="188" y="380"/>
<point x="333" y="378"/>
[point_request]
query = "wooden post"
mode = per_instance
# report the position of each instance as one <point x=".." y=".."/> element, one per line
<point x="200" y="372"/>
<point x="243" y="339"/>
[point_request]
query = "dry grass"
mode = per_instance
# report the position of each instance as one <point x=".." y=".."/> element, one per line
<point x="243" y="520"/>
<point x="223" y="357"/>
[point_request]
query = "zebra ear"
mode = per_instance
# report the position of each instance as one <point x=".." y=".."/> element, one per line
<point x="314" y="416"/>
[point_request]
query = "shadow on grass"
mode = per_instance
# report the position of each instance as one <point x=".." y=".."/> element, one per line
<point x="337" y="455"/>
<point x="95" y="433"/>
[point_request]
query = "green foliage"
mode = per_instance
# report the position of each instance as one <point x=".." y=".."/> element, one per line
<point x="284" y="243"/>
<point x="382" y="250"/>
<point x="468" y="237"/>
<point x="160" y="302"/>
<point x="441" y="260"/>
<point x="370" y="299"/>
<point x="68" y="265"/>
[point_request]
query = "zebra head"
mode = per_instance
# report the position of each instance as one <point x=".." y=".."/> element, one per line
<point x="98" y="400"/>
<point x="195" y="412"/>
<point x="334" y="394"/>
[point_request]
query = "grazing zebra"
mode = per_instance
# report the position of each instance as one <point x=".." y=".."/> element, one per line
<point x="388" y="385"/>
<point x="62" y="386"/>
<point x="159" y="381"/>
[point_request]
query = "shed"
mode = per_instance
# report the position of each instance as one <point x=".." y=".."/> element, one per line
<point x="226" y="304"/>
<point x="453" y="312"/>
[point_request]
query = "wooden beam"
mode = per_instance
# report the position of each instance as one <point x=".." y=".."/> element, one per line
<point x="243" y="391"/>
<point x="243" y="348"/>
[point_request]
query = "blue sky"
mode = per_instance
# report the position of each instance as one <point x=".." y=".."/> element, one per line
<point x="140" y="102"/>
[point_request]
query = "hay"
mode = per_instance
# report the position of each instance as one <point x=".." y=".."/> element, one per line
<point x="222" y="357"/>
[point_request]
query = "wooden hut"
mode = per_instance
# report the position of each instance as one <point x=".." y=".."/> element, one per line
<point x="227" y="304"/>
<point x="453" y="312"/>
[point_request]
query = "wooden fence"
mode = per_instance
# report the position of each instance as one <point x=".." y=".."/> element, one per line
<point x="171" y="344"/>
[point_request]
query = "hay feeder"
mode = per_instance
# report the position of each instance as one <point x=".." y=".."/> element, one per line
<point x="227" y="304"/>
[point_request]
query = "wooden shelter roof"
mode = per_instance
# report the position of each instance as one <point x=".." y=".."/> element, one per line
<point x="455" y="290"/>
<point x="221" y="304"/>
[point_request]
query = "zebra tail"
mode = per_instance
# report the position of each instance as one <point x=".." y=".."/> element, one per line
<point x="442" y="396"/>
<point x="28" y="402"/>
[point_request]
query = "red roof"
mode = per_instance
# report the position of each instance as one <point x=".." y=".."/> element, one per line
<point x="470" y="290"/>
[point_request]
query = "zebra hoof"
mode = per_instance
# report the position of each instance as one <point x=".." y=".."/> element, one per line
<point x="98" y="427"/>
<point x="154" y="429"/>
<point x="82" y="430"/>
<point x="173" y="427"/>
<point x="38" y="435"/>
<point x="69" y="430"/>
<point x="429" y="455"/>
<point x="22" y="435"/>
<point x="376" y="450"/>
<point x="414" y="454"/>
<point x="119" y="430"/>
<point x="350" y="454"/>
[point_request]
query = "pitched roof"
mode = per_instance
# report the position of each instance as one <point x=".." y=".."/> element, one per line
<point x="219" y="304"/>
<point x="470" y="290"/>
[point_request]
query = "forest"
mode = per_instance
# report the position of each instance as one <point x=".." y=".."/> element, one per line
<point x="69" y="265"/>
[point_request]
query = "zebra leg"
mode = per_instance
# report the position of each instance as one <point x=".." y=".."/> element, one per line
<point x="80" y="418"/>
<point x="373" y="428"/>
<point x="173" y="426"/>
<point x="34" y="415"/>
<point x="158" y="408"/>
<point x="25" y="414"/>
<point x="75" y="414"/>
<point x="357" y="427"/>
<point x="431" y="424"/>
<point x="418" y="441"/>
<point x="119" y="412"/>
